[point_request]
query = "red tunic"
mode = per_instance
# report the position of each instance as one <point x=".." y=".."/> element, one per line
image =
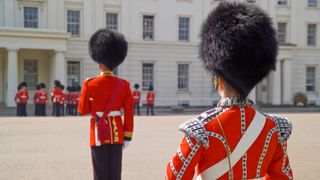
<point x="63" y="98"/>
<point x="136" y="96"/>
<point x="22" y="96"/>
<point x="56" y="95"/>
<point x="150" y="97"/>
<point x="267" y="157"/>
<point x="36" y="97"/>
<point x="96" y="92"/>
<point x="43" y="96"/>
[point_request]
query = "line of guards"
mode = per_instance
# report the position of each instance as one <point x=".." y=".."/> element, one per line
<point x="64" y="103"/>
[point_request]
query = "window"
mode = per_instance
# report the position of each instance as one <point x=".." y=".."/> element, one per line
<point x="282" y="2"/>
<point x="183" y="77"/>
<point x="31" y="73"/>
<point x="30" y="15"/>
<point x="311" y="79"/>
<point x="148" y="27"/>
<point x="73" y="23"/>
<point x="112" y="21"/>
<point x="282" y="33"/>
<point x="184" y="28"/>
<point x="312" y="3"/>
<point x="311" y="34"/>
<point x="147" y="75"/>
<point x="73" y="72"/>
<point x="251" y="1"/>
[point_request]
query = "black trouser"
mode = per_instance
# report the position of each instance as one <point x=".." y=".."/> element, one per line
<point x="56" y="109"/>
<point x="36" y="109"/>
<point x="68" y="109"/>
<point x="107" y="162"/>
<point x="42" y="109"/>
<point x="150" y="107"/>
<point x="22" y="109"/>
<point x="136" y="106"/>
<point x="62" y="109"/>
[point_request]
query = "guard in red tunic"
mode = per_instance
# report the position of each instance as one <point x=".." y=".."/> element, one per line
<point x="43" y="97"/>
<point x="62" y="101"/>
<point x="21" y="99"/>
<point x="68" y="101"/>
<point x="36" y="100"/>
<point x="77" y="99"/>
<point x="136" y="99"/>
<point x="235" y="140"/>
<point x="150" y="100"/>
<point x="103" y="97"/>
<point x="56" y="96"/>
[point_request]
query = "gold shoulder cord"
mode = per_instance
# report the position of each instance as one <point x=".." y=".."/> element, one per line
<point x="228" y="150"/>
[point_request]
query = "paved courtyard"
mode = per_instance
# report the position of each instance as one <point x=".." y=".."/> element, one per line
<point x="57" y="148"/>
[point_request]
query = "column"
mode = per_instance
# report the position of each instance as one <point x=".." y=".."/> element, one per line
<point x="99" y="12"/>
<point x="125" y="18"/>
<point x="9" y="13"/>
<point x="12" y="77"/>
<point x="87" y="20"/>
<point x="59" y="67"/>
<point x="287" y="92"/>
<point x="276" y="84"/>
<point x="52" y="14"/>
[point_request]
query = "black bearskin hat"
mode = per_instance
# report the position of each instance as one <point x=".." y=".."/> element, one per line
<point x="42" y="85"/>
<point x="38" y="87"/>
<point x="69" y="89"/>
<point x="238" y="43"/>
<point x="62" y="87"/>
<point x="108" y="47"/>
<point x="136" y="86"/>
<point x="23" y="84"/>
<point x="57" y="83"/>
<point x="150" y="88"/>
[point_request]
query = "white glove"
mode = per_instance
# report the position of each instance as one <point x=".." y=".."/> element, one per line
<point x="125" y="144"/>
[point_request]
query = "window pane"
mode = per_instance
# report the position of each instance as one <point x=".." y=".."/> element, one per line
<point x="112" y="21"/>
<point x="184" y="28"/>
<point x="282" y="31"/>
<point x="147" y="75"/>
<point x="310" y="78"/>
<point x="282" y="2"/>
<point x="31" y="73"/>
<point x="183" y="76"/>
<point x="148" y="28"/>
<point x="30" y="17"/>
<point x="311" y="34"/>
<point x="73" y="22"/>
<point x="73" y="73"/>
<point x="312" y="3"/>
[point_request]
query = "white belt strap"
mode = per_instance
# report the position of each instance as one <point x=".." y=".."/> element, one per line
<point x="253" y="131"/>
<point x="100" y="114"/>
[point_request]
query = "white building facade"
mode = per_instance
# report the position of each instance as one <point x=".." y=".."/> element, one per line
<point x="44" y="40"/>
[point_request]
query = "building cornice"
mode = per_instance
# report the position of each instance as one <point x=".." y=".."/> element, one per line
<point x="34" y="33"/>
<point x="164" y="43"/>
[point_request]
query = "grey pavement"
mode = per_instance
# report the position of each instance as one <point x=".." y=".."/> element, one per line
<point x="58" y="148"/>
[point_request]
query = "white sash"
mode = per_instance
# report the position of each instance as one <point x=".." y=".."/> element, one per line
<point x="253" y="131"/>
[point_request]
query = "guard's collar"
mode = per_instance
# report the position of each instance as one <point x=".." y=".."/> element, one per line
<point x="107" y="73"/>
<point x="229" y="102"/>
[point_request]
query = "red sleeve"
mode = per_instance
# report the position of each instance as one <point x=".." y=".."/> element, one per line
<point x="128" y="115"/>
<point x="183" y="163"/>
<point x="17" y="96"/>
<point x="279" y="167"/>
<point x="84" y="106"/>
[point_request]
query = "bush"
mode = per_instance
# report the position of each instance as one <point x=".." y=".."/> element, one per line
<point x="300" y="99"/>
